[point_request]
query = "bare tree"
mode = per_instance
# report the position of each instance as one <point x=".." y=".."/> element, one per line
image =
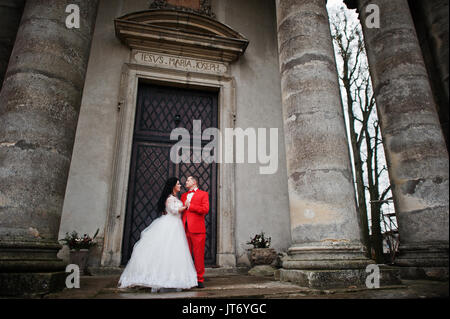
<point x="373" y="143"/>
<point x="363" y="126"/>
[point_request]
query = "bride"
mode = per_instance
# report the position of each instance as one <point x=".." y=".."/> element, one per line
<point x="161" y="257"/>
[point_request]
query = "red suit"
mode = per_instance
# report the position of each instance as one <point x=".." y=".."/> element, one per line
<point x="194" y="225"/>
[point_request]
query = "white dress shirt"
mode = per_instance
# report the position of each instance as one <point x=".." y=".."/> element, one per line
<point x="189" y="196"/>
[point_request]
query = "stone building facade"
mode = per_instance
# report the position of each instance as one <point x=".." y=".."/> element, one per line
<point x="85" y="116"/>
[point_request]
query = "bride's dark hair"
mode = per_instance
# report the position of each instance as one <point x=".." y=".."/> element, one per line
<point x="168" y="189"/>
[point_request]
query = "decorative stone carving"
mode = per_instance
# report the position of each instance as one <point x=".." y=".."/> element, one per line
<point x="204" y="7"/>
<point x="158" y="4"/>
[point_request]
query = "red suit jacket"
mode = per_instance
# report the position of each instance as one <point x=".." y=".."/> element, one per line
<point x="197" y="211"/>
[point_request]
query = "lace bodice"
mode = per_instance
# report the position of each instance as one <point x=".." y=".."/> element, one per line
<point x="172" y="205"/>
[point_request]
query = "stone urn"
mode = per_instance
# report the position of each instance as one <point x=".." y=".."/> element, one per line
<point x="80" y="258"/>
<point x="261" y="260"/>
<point x="262" y="256"/>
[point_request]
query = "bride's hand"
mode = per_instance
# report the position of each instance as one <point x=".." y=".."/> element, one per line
<point x="181" y="209"/>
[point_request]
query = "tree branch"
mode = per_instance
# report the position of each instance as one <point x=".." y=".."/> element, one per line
<point x="385" y="192"/>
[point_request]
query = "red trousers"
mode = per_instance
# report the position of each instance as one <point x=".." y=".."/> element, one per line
<point x="196" y="243"/>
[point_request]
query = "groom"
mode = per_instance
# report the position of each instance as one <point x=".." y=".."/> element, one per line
<point x="197" y="203"/>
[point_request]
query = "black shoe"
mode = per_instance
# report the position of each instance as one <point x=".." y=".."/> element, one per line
<point x="200" y="285"/>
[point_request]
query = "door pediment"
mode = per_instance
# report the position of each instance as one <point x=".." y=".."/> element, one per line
<point x="180" y="33"/>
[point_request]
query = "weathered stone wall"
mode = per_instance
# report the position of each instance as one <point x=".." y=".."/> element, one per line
<point x="89" y="180"/>
<point x="261" y="200"/>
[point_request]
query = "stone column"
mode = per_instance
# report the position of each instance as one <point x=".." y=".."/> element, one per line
<point x="39" y="106"/>
<point x="436" y="20"/>
<point x="414" y="145"/>
<point x="432" y="24"/>
<point x="326" y="235"/>
<point x="10" y="13"/>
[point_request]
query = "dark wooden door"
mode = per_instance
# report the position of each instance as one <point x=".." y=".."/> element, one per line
<point x="159" y="110"/>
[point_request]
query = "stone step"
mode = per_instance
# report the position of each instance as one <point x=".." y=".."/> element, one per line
<point x="245" y="286"/>
<point x="209" y="271"/>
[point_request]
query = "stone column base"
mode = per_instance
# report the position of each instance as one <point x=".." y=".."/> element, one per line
<point x="30" y="267"/>
<point x="326" y="266"/>
<point x="423" y="261"/>
<point x="338" y="278"/>
<point x="434" y="254"/>
<point x="18" y="256"/>
<point x="430" y="273"/>
<point x="326" y="256"/>
<point x="31" y="284"/>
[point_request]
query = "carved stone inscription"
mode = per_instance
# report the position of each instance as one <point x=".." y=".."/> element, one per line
<point x="180" y="63"/>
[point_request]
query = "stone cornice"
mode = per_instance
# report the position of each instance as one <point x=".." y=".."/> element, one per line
<point x="180" y="33"/>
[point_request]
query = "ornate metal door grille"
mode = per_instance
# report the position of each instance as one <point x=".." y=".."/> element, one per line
<point x="157" y="111"/>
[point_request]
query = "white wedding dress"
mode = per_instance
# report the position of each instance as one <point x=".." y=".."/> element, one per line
<point x="161" y="257"/>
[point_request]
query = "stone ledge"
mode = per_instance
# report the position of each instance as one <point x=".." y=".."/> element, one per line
<point x="105" y="271"/>
<point x="222" y="271"/>
<point x="209" y="271"/>
<point x="31" y="284"/>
